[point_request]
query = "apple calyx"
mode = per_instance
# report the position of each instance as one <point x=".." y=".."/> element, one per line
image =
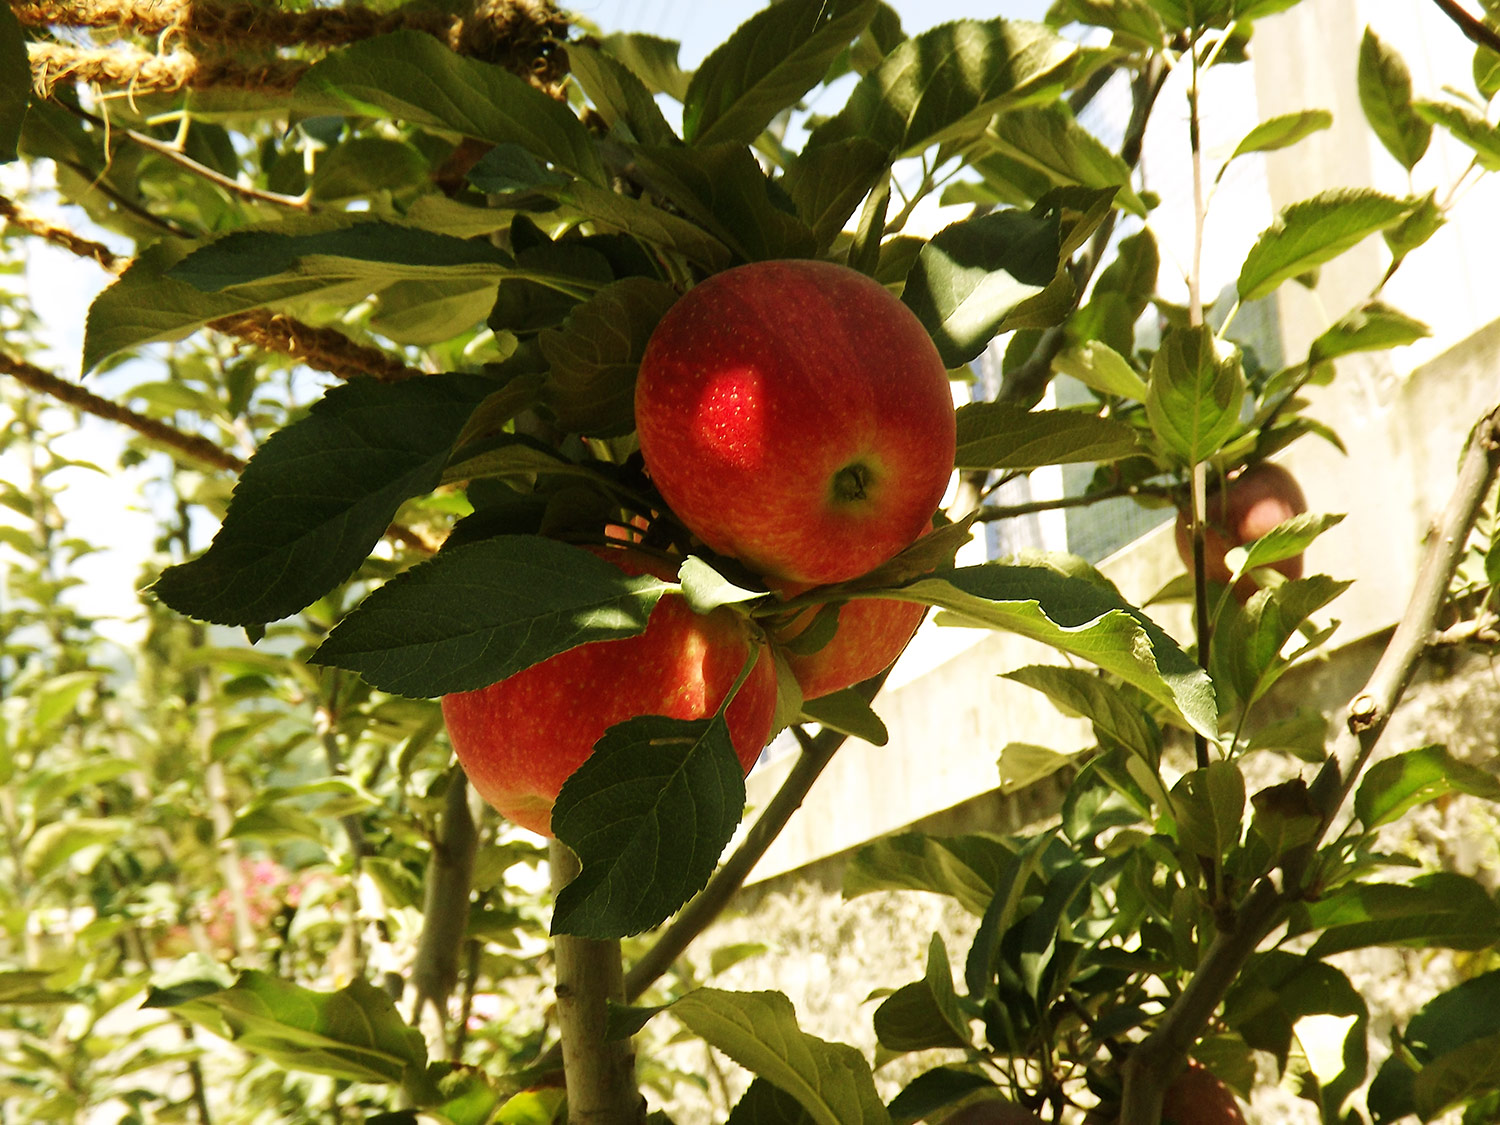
<point x="852" y="483"/>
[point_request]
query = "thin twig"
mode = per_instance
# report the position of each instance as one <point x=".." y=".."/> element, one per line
<point x="991" y="512"/>
<point x="1474" y="29"/>
<point x="23" y="220"/>
<point x="190" y="445"/>
<point x="183" y="160"/>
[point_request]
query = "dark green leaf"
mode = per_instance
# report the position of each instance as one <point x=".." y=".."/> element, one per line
<point x="1395" y="785"/>
<point x="423" y="313"/>
<point x="1277" y="989"/>
<point x="650" y="58"/>
<point x="370" y="250"/>
<point x="354" y="1033"/>
<point x="410" y="76"/>
<point x="1315" y="231"/>
<point x="1442" y="909"/>
<point x="759" y="1031"/>
<point x="1374" y="326"/>
<point x="1284" y="817"/>
<point x="647" y="814"/>
<point x="510" y="168"/>
<point x="619" y="95"/>
<point x="848" y="713"/>
<point x="765" y="1103"/>
<point x="1080" y="615"/>
<point x="653" y="225"/>
<point x="1466" y="125"/>
<point x="1385" y="97"/>
<point x="949" y="81"/>
<point x="1458" y="1077"/>
<point x="1048" y="140"/>
<point x="995" y="435"/>
<point x="723" y="189"/>
<point x="1304" y="734"/>
<point x="1001" y="913"/>
<point x="969" y="869"/>
<point x="594" y="356"/>
<point x="769" y="62"/>
<point x="1209" y="804"/>
<point x="550" y="280"/>
<point x="1195" y="395"/>
<point x="972" y="274"/>
<point x="15" y="83"/>
<point x="319" y="495"/>
<point x="828" y="183"/>
<point x="933" y="1090"/>
<point x="924" y="1014"/>
<point x="481" y="612"/>
<point x="364" y="165"/>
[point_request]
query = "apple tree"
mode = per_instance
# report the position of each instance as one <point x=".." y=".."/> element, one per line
<point x="473" y="223"/>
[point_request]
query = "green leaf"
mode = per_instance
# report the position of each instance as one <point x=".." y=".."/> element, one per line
<point x="1134" y="20"/>
<point x="1425" y="220"/>
<point x="651" y="58"/>
<point x="767" y="1104"/>
<point x="1486" y="71"/>
<point x="1082" y="616"/>
<point x="1304" y="734"/>
<point x="1282" y="131"/>
<point x="365" y="165"/>
<point x="621" y="98"/>
<point x="723" y="189"/>
<point x="924" y="1014"/>
<point x="1315" y="231"/>
<point x="318" y="496"/>
<point x="828" y="183"/>
<point x="1374" y="326"/>
<point x="374" y="251"/>
<point x="766" y="65"/>
<point x="354" y="1033"/>
<point x="423" y="313"/>
<point x="1247" y="656"/>
<point x="1457" y="1077"/>
<point x="1049" y="140"/>
<point x="1100" y="368"/>
<point x="996" y="435"/>
<point x="1284" y="541"/>
<point x="933" y="1090"/>
<point x="646" y="221"/>
<point x="969" y="869"/>
<point x="1284" y="817"/>
<point x="410" y="76"/>
<point x="1116" y="716"/>
<point x="1195" y="395"/>
<point x="1209" y="804"/>
<point x="55" y="699"/>
<point x="848" y="713"/>
<point x="475" y="614"/>
<point x="1467" y="126"/>
<point x="973" y="274"/>
<point x="648" y="814"/>
<point x="758" y="1030"/>
<point x="1385" y="97"/>
<point x="594" y="356"/>
<point x="1001" y="913"/>
<point x="1393" y="786"/>
<point x="58" y="841"/>
<point x="949" y="81"/>
<point x="25" y="986"/>
<point x="1442" y="909"/>
<point x="15" y="83"/>
<point x="1024" y="763"/>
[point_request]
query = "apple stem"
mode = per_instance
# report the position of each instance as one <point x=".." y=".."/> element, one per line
<point x="599" y="1072"/>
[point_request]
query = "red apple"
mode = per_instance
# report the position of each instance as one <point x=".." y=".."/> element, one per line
<point x="520" y="739"/>
<point x="796" y="415"/>
<point x="871" y="633"/>
<point x="1254" y="502"/>
<point x="1199" y="1097"/>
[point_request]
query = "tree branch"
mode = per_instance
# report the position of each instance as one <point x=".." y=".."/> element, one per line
<point x="1158" y="1058"/>
<point x="1475" y="30"/>
<point x="600" y="1072"/>
<point x="192" y="446"/>
<point x="445" y="913"/>
<point x="23" y="220"/>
